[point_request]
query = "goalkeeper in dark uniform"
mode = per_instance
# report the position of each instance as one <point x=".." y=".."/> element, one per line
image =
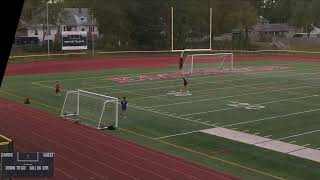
<point x="124" y="105"/>
<point x="185" y="85"/>
<point x="185" y="82"/>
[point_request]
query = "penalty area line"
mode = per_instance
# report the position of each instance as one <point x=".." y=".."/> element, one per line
<point x="180" y="134"/>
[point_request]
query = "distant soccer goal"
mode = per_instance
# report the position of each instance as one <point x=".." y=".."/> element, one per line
<point x="207" y="62"/>
<point x="92" y="109"/>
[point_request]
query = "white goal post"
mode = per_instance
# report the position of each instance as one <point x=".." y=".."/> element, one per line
<point x="92" y="109"/>
<point x="206" y="61"/>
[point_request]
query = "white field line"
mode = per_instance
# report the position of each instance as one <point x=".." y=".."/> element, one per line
<point x="173" y="135"/>
<point x="301" y="134"/>
<point x="310" y="132"/>
<point x="202" y="100"/>
<point x="130" y="92"/>
<point x="109" y="76"/>
<point x="201" y="77"/>
<point x="273" y="117"/>
<point x="288" y="137"/>
<point x="233" y="86"/>
<point x="205" y="90"/>
<point x="169" y="115"/>
<point x="271" y="102"/>
<point x="41" y="85"/>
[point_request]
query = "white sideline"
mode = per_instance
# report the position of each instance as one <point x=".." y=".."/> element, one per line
<point x="41" y="85"/>
<point x="205" y="90"/>
<point x="177" y="134"/>
<point x="271" y="102"/>
<point x="201" y="100"/>
<point x="273" y="117"/>
<point x="169" y="115"/>
<point x="204" y="77"/>
<point x="275" y="145"/>
<point x="92" y="77"/>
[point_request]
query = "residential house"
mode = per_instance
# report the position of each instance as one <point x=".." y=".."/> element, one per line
<point x="71" y="19"/>
<point x="79" y="19"/>
<point x="266" y="31"/>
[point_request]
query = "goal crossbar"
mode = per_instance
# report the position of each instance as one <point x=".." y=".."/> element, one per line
<point x="195" y="60"/>
<point x="95" y="94"/>
<point x="71" y="107"/>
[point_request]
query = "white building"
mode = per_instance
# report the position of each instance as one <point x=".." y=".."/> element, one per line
<point x="72" y="19"/>
<point x="79" y="19"/>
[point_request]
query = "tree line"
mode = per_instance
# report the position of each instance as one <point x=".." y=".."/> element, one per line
<point x="145" y="24"/>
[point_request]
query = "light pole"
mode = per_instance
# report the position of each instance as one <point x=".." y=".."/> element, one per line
<point x="48" y="27"/>
<point x="171" y="28"/>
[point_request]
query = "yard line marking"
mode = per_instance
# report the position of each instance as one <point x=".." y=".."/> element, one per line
<point x="301" y="134"/>
<point x="292" y="142"/>
<point x="203" y="77"/>
<point x="174" y="135"/>
<point x="288" y="137"/>
<point x="273" y="117"/>
<point x="116" y="75"/>
<point x="306" y="145"/>
<point x="267" y="136"/>
<point x="201" y="100"/>
<point x="124" y="75"/>
<point x="296" y="150"/>
<point x="169" y="115"/>
<point x="217" y="110"/>
<point x="256" y="133"/>
<point x="271" y="102"/>
<point x="49" y="87"/>
<point x="130" y="92"/>
<point x="205" y="90"/>
<point x="231" y="87"/>
<point x="143" y="96"/>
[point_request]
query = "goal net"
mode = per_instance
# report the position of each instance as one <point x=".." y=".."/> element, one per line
<point x="195" y="63"/>
<point x="92" y="109"/>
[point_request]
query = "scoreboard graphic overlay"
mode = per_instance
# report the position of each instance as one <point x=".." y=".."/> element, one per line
<point x="74" y="40"/>
<point x="27" y="164"/>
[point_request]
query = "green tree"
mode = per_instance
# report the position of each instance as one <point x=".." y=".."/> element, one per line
<point x="113" y="21"/>
<point x="148" y="25"/>
<point x="247" y="18"/>
<point x="305" y="15"/>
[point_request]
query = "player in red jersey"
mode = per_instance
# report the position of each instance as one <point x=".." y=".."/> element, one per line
<point x="57" y="87"/>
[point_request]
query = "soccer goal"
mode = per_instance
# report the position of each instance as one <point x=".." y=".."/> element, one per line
<point x="194" y="63"/>
<point x="92" y="109"/>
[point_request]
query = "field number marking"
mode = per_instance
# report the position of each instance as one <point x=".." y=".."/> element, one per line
<point x="245" y="105"/>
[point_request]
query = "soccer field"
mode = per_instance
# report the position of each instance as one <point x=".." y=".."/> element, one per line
<point x="278" y="104"/>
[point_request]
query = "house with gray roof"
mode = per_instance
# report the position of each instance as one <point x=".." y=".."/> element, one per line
<point x="71" y="19"/>
<point x="266" y="31"/>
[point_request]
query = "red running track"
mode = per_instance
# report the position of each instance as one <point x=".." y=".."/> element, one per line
<point x="86" y="154"/>
<point x="116" y="63"/>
